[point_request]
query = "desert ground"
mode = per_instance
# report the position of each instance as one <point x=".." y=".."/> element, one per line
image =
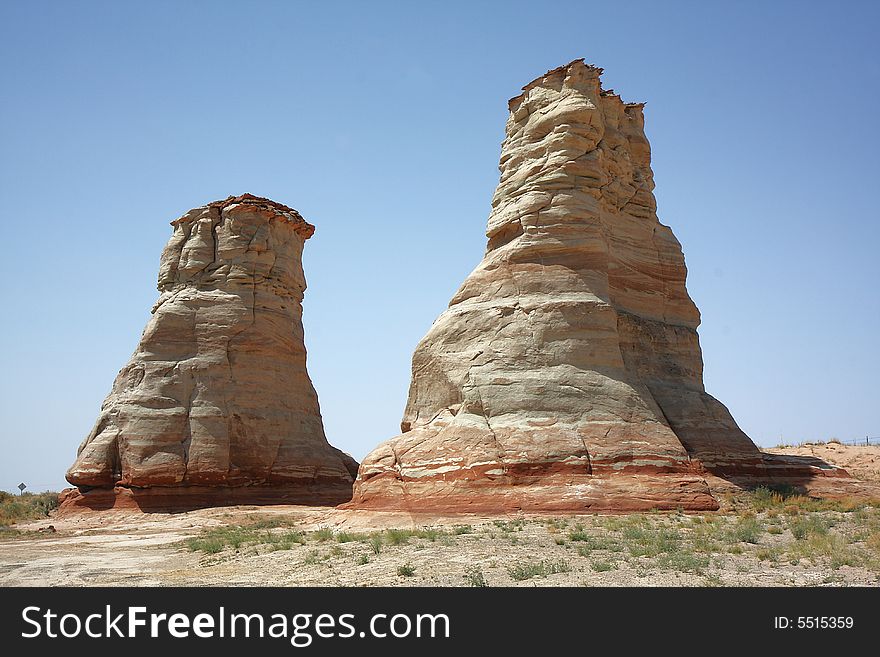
<point x="758" y="538"/>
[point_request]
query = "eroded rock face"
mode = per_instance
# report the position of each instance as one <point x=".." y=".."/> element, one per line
<point x="566" y="373"/>
<point x="216" y="405"/>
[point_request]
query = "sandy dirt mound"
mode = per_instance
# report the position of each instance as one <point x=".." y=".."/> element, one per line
<point x="861" y="461"/>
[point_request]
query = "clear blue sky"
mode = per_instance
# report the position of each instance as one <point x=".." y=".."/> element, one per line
<point x="381" y="123"/>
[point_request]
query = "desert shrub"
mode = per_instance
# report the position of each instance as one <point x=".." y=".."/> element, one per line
<point x="474" y="577"/>
<point x="556" y="523"/>
<point x="286" y="540"/>
<point x="323" y="534"/>
<point x="748" y="529"/>
<point x="398" y="536"/>
<point x="510" y="526"/>
<point x="312" y="558"/>
<point x="524" y="571"/>
<point x="406" y="570"/>
<point x="683" y="561"/>
<point x="429" y="533"/>
<point x="29" y="506"/>
<point x="802" y="526"/>
<point x="832" y="547"/>
<point x="652" y="542"/>
<point x="602" y="566"/>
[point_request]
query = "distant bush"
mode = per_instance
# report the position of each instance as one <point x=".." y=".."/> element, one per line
<point x="475" y="577"/>
<point x="30" y="506"/>
<point x="525" y="571"/>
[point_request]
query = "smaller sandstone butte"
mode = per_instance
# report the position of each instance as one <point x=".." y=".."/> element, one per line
<point x="216" y="406"/>
<point x="566" y="373"/>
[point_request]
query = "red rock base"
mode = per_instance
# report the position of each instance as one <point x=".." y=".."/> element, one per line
<point x="188" y="498"/>
<point x="584" y="494"/>
<point x="607" y="492"/>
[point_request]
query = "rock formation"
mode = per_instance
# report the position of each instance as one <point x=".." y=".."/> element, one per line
<point x="566" y="373"/>
<point x="215" y="406"/>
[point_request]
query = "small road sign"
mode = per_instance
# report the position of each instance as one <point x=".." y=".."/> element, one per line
<point x="21" y="488"/>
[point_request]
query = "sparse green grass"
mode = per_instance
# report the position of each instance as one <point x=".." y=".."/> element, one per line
<point x="312" y="558"/>
<point x="285" y="540"/>
<point x="524" y="571"/>
<point x="555" y="524"/>
<point x="403" y="536"/>
<point x="429" y="533"/>
<point x="802" y="526"/>
<point x="30" y="506"/>
<point x="624" y="523"/>
<point x="206" y="545"/>
<point x="706" y="539"/>
<point x="713" y="580"/>
<point x="510" y="526"/>
<point x="398" y="536"/>
<point x="833" y="547"/>
<point x="602" y="566"/>
<point x="406" y="570"/>
<point x="787" y="533"/>
<point x="323" y="534"/>
<point x="591" y="543"/>
<point x="767" y="554"/>
<point x="652" y="542"/>
<point x="683" y="561"/>
<point x="216" y="539"/>
<point x="748" y="529"/>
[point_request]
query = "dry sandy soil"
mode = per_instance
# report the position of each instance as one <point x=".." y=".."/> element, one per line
<point x="753" y="540"/>
<point x="862" y="462"/>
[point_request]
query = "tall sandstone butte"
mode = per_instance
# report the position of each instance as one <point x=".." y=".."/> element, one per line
<point x="216" y="406"/>
<point x="566" y="373"/>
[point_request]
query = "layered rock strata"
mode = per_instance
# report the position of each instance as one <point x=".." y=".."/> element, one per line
<point x="566" y="373"/>
<point x="215" y="405"/>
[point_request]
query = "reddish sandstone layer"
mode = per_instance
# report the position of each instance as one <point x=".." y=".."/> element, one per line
<point x="215" y="405"/>
<point x="566" y="373"/>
